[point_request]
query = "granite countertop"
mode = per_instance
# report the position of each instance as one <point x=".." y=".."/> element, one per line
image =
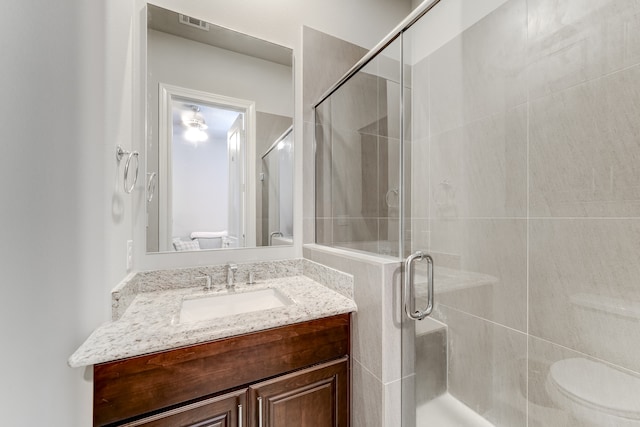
<point x="151" y="323"/>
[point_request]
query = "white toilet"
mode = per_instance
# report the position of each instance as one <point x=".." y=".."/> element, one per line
<point x="594" y="393"/>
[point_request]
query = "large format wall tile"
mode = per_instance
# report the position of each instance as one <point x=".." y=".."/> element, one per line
<point x="573" y="41"/>
<point x="377" y="325"/>
<point x="324" y="231"/>
<point x="361" y="157"/>
<point x="388" y="177"/>
<point x="481" y="72"/>
<point x="391" y="412"/>
<point x="419" y="177"/>
<point x="487" y="363"/>
<point x="325" y="60"/>
<point x="583" y="288"/>
<point x="347" y="169"/>
<point x="391" y="291"/>
<point x="308" y="185"/>
<point x="323" y="161"/>
<point x="353" y="230"/>
<point x="418" y="119"/>
<point x="355" y="105"/>
<point x="367" y="398"/>
<point x="430" y="365"/>
<point x="367" y="344"/>
<point x="480" y="169"/>
<point x="584" y="150"/>
<point x="481" y="268"/>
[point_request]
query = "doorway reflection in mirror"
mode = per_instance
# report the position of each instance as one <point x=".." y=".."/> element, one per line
<point x="209" y="195"/>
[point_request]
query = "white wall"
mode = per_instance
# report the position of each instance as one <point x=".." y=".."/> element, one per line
<point x="362" y="22"/>
<point x="180" y="62"/>
<point x="67" y="84"/>
<point x="200" y="191"/>
<point x="66" y="102"/>
<point x="444" y="22"/>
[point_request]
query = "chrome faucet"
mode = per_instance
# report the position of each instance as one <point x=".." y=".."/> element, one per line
<point x="231" y="269"/>
<point x="207" y="277"/>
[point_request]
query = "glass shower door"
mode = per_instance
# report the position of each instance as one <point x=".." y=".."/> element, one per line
<point x="277" y="191"/>
<point x="465" y="204"/>
<point x="358" y="159"/>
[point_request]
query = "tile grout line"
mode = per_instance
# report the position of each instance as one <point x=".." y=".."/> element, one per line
<point x="367" y="369"/>
<point x="615" y="365"/>
<point x="492" y="322"/>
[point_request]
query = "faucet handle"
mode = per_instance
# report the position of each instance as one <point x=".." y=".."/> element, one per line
<point x="208" y="279"/>
<point x="251" y="280"/>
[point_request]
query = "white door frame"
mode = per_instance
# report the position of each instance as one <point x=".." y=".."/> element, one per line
<point x="166" y="94"/>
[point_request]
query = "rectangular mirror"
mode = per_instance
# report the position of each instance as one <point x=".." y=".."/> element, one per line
<point x="219" y="137"/>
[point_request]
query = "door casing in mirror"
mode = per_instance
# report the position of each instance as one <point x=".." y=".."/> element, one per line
<point x="273" y="101"/>
<point x="241" y="190"/>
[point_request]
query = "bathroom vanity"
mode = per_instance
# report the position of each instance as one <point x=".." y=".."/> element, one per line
<point x="161" y="363"/>
<point x="292" y="375"/>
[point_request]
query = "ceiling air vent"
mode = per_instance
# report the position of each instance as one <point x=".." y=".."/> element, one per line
<point x="193" y="22"/>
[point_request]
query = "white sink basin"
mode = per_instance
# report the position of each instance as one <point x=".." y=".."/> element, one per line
<point x="211" y="307"/>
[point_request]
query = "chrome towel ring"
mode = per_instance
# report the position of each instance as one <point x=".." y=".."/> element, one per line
<point x="120" y="152"/>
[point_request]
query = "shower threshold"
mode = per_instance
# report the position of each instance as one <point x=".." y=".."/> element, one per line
<point x="447" y="411"/>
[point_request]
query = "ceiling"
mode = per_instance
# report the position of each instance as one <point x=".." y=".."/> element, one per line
<point x="168" y="21"/>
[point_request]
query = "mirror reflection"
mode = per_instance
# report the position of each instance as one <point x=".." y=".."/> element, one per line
<point x="219" y="139"/>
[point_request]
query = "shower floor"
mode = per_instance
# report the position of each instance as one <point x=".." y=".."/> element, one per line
<point x="447" y="411"/>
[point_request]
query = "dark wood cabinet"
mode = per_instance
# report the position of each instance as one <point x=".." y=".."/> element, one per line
<point x="299" y="373"/>
<point x="314" y="397"/>
<point x="229" y="410"/>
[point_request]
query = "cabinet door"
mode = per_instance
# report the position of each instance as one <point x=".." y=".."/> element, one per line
<point x="228" y="410"/>
<point x="313" y="397"/>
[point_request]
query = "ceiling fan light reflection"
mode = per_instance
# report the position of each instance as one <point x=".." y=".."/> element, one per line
<point x="195" y="122"/>
<point x="195" y="135"/>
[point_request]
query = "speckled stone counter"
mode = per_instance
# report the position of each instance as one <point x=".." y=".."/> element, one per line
<point x="150" y="322"/>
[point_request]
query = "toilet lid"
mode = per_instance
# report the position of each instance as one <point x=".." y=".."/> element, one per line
<point x="598" y="385"/>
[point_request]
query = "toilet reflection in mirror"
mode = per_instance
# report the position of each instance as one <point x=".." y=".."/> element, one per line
<point x="219" y="138"/>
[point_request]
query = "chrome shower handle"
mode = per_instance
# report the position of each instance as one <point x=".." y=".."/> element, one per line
<point x="409" y="287"/>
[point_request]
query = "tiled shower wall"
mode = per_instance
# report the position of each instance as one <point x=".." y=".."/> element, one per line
<point x="325" y="60"/>
<point x="526" y="132"/>
<point x="357" y="160"/>
<point x="522" y="175"/>
<point x="375" y="340"/>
